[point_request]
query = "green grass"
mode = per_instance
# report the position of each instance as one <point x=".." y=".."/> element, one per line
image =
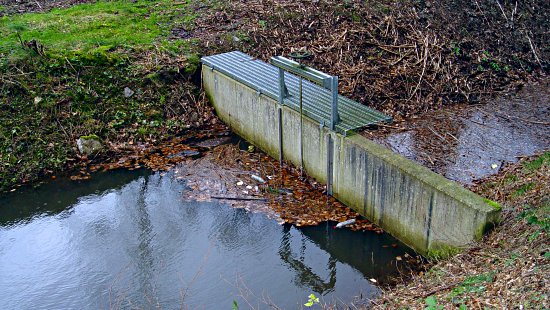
<point x="538" y="217"/>
<point x="533" y="165"/>
<point x="522" y="190"/>
<point x="75" y="88"/>
<point x="473" y="284"/>
<point x="87" y="26"/>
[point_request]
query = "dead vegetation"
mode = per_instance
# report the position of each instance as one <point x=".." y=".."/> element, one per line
<point x="26" y="6"/>
<point x="398" y="56"/>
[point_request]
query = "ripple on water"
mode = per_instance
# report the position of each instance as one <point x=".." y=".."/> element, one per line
<point x="129" y="238"/>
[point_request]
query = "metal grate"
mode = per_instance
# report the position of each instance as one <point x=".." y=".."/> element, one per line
<point x="263" y="78"/>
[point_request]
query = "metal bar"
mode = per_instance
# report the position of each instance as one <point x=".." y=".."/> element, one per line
<point x="280" y="122"/>
<point x="334" y="118"/>
<point x="282" y="86"/>
<point x="330" y="155"/>
<point x="292" y="66"/>
<point x="280" y="113"/>
<point x="301" y="127"/>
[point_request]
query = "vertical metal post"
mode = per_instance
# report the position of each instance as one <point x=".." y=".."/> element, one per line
<point x="281" y="86"/>
<point x="330" y="157"/>
<point x="335" y="117"/>
<point x="280" y="113"/>
<point x="280" y="122"/>
<point x="301" y="126"/>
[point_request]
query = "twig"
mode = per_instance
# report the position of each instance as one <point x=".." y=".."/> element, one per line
<point x="389" y="126"/>
<point x="238" y="198"/>
<point x="502" y="10"/>
<point x="423" y="68"/>
<point x="504" y="115"/>
<point x="71" y="65"/>
<point x="442" y="288"/>
<point x="453" y="136"/>
<point x="533" y="50"/>
<point x="435" y="133"/>
<point x="514" y="12"/>
<point x="482" y="12"/>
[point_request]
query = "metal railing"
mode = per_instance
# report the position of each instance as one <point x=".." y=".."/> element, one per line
<point x="324" y="80"/>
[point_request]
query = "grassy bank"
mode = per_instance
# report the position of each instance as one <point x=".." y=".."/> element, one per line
<point x="106" y="68"/>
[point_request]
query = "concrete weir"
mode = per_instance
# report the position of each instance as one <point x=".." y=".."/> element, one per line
<point x="426" y="211"/>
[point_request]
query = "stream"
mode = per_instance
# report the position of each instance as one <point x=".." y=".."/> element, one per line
<point x="127" y="239"/>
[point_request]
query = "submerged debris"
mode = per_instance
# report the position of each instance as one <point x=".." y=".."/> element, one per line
<point x="296" y="200"/>
<point x="345" y="223"/>
<point x="257" y="178"/>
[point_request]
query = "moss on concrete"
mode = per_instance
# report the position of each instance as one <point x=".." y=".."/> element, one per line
<point x="442" y="252"/>
<point x="493" y="204"/>
<point x="423" y="174"/>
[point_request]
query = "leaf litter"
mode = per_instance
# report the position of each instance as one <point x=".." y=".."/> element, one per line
<point x="215" y="169"/>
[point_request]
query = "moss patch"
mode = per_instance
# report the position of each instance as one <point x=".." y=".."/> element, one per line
<point x="493" y="204"/>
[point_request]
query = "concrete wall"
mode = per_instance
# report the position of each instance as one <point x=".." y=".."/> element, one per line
<point x="424" y="210"/>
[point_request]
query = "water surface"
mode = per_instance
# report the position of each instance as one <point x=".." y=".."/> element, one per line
<point x="127" y="239"/>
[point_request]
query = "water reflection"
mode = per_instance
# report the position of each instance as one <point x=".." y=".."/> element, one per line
<point x="127" y="239"/>
<point x="468" y="143"/>
<point x="305" y="276"/>
<point x="54" y="197"/>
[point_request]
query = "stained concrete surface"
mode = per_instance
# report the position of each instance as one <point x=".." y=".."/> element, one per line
<point x="421" y="208"/>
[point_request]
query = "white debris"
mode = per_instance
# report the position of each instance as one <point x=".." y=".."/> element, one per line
<point x="345" y="223"/>
<point x="257" y="178"/>
<point x="128" y="92"/>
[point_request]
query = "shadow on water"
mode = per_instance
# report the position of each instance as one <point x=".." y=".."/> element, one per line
<point x="54" y="197"/>
<point x="128" y="239"/>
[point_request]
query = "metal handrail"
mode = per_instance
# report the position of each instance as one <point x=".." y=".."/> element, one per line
<point x="323" y="79"/>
